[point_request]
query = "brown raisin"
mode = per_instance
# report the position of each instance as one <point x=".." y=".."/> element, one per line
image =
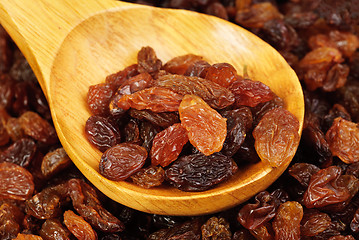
<point x="180" y="64"/>
<point x="216" y="228"/>
<point x="223" y="74"/>
<point x="54" y="162"/>
<point x="198" y="172"/>
<point x="20" y="152"/>
<point x="15" y="182"/>
<point x="250" y="93"/>
<point x="343" y="139"/>
<point x="276" y="137"/>
<point x="286" y="223"/>
<point x="54" y="229"/>
<point x="99" y="97"/>
<point x="101" y="133"/>
<point x="206" y="128"/>
<point x="149" y="177"/>
<point x="148" y="61"/>
<point x="155" y="99"/>
<point x="38" y="128"/>
<point x="78" y="226"/>
<point x="122" y="160"/>
<point x="214" y="94"/>
<point x="167" y="145"/>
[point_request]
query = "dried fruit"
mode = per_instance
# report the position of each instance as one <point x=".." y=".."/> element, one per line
<point x="250" y="93"/>
<point x="122" y="160"/>
<point x="149" y="177"/>
<point x="167" y="145"/>
<point x="180" y="64"/>
<point x="343" y="139"/>
<point x="38" y="128"/>
<point x="99" y="97"/>
<point x="286" y="223"/>
<point x="276" y="137"/>
<point x="148" y="61"/>
<point x="212" y="93"/>
<point x="53" y="228"/>
<point x="15" y="182"/>
<point x="198" y="172"/>
<point x="223" y="74"/>
<point x="101" y="133"/>
<point x="54" y="162"/>
<point x="78" y="226"/>
<point x="206" y="128"/>
<point x="155" y="99"/>
<point x="216" y="228"/>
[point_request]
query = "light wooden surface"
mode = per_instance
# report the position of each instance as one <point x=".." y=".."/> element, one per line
<point x="74" y="44"/>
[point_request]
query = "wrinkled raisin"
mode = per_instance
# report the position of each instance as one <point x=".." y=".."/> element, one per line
<point x="198" y="172"/>
<point x="122" y="160"/>
<point x="167" y="145"/>
<point x="149" y="177"/>
<point x="206" y="128"/>
<point x="276" y="137"/>
<point x="78" y="226"/>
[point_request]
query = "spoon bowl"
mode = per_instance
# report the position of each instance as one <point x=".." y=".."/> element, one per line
<point x="74" y="44"/>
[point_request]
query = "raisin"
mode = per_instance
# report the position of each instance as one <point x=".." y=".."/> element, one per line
<point x="250" y="93"/>
<point x="187" y="230"/>
<point x="303" y="172"/>
<point x="38" y="128"/>
<point x="276" y="137"/>
<point x="155" y="99"/>
<point x="11" y="218"/>
<point x="20" y="152"/>
<point x="216" y="228"/>
<point x="47" y="203"/>
<point x="149" y="177"/>
<point x="217" y="9"/>
<point x="147" y="134"/>
<point x="7" y="92"/>
<point x="251" y="216"/>
<point x="198" y="69"/>
<point x="214" y="94"/>
<point x="162" y="119"/>
<point x="286" y="223"/>
<point x="343" y="138"/>
<point x="223" y="74"/>
<point x="54" y="162"/>
<point x="314" y="67"/>
<point x="179" y="65"/>
<point x="101" y="133"/>
<point x="99" y="97"/>
<point x="206" y="128"/>
<point x="78" y="226"/>
<point x="239" y="122"/>
<point x="87" y="204"/>
<point x="147" y="60"/>
<point x="122" y="160"/>
<point x="16" y="182"/>
<point x="167" y="145"/>
<point x="314" y="222"/>
<point x="53" y="229"/>
<point x="341" y="237"/>
<point x="131" y="132"/>
<point x="257" y="14"/>
<point x="4" y="136"/>
<point x="118" y="78"/>
<point x="22" y="236"/>
<point x="264" y="232"/>
<point x="324" y="188"/>
<point x="13" y="127"/>
<point x="198" y="172"/>
<point x="354" y="224"/>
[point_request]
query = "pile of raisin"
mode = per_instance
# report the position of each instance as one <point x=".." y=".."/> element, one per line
<point x="184" y="122"/>
<point x="44" y="196"/>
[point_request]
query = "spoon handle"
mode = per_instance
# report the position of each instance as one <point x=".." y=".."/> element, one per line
<point x="38" y="27"/>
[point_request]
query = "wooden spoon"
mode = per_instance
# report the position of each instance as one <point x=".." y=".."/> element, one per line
<point x="71" y="45"/>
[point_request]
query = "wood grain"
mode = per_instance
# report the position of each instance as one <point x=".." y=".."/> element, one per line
<point x="74" y="44"/>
